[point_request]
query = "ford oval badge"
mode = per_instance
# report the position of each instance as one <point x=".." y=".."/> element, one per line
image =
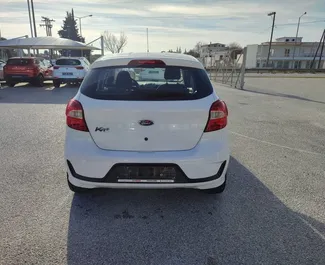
<point x="146" y="122"/>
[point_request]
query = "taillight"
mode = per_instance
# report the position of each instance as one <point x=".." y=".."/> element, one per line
<point x="56" y="67"/>
<point x="217" y="116"/>
<point x="75" y="116"/>
<point x="79" y="67"/>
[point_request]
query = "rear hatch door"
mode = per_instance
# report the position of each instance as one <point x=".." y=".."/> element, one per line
<point x="68" y="69"/>
<point x="145" y="125"/>
<point x="165" y="112"/>
<point x="19" y="66"/>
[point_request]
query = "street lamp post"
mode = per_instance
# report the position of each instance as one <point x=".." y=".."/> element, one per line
<point x="268" y="54"/>
<point x="294" y="48"/>
<point x="80" y="22"/>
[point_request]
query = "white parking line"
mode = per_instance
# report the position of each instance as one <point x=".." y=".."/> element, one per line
<point x="311" y="226"/>
<point x="278" y="145"/>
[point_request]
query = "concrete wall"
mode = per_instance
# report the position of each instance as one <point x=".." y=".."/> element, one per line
<point x="251" y="56"/>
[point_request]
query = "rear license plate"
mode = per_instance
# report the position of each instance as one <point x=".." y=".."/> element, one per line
<point x="16" y="76"/>
<point x="145" y="174"/>
<point x="67" y="73"/>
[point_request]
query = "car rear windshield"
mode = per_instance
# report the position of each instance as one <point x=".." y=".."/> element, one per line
<point x="68" y="62"/>
<point x="19" y="62"/>
<point x="146" y="83"/>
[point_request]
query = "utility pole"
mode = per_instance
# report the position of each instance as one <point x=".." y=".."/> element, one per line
<point x="268" y="54"/>
<point x="48" y="25"/>
<point x="294" y="48"/>
<point x="321" y="51"/>
<point x="102" y="44"/>
<point x="33" y="14"/>
<point x="80" y="22"/>
<point x="30" y="20"/>
<point x="321" y="42"/>
<point x="147" y="40"/>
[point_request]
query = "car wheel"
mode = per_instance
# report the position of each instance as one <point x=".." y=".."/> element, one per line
<point x="56" y="83"/>
<point x="40" y="80"/>
<point x="11" y="84"/>
<point x="217" y="190"/>
<point x="76" y="189"/>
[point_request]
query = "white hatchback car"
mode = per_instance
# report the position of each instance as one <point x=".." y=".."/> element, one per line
<point x="127" y="133"/>
<point x="70" y="70"/>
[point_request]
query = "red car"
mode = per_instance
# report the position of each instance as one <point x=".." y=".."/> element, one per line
<point x="26" y="69"/>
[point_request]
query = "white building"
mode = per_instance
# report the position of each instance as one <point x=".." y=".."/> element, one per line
<point x="281" y="55"/>
<point x="211" y="54"/>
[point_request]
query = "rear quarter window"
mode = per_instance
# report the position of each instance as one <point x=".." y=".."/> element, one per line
<point x="68" y="62"/>
<point x="146" y="83"/>
<point x="19" y="61"/>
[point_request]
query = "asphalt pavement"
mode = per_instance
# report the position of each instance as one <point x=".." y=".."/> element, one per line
<point x="272" y="211"/>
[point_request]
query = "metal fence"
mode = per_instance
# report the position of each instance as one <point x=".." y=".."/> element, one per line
<point x="231" y="72"/>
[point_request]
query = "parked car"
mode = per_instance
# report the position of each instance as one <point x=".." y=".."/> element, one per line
<point x="49" y="72"/>
<point x="70" y="70"/>
<point x="152" y="74"/>
<point x="25" y="69"/>
<point x="126" y="133"/>
<point x="2" y="64"/>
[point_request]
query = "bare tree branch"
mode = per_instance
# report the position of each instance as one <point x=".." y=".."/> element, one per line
<point x="234" y="46"/>
<point x="113" y="44"/>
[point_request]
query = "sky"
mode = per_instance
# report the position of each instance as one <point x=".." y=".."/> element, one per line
<point x="172" y="23"/>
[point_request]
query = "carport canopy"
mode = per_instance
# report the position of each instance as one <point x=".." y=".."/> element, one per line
<point x="45" y="43"/>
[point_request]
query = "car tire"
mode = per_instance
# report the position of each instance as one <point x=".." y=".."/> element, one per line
<point x="217" y="190"/>
<point x="76" y="189"/>
<point x="40" y="81"/>
<point x="10" y="84"/>
<point x="56" y="83"/>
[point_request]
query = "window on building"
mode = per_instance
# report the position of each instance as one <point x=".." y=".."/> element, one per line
<point x="293" y="39"/>
<point x="257" y="64"/>
<point x="221" y="57"/>
<point x="308" y="63"/>
<point x="287" y="39"/>
<point x="286" y="52"/>
<point x="279" y="65"/>
<point x="297" y="64"/>
<point x="286" y="64"/>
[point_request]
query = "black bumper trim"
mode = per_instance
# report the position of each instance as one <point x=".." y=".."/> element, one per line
<point x="185" y="179"/>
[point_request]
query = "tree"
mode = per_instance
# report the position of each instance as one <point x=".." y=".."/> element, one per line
<point x="234" y="46"/>
<point x="178" y="50"/>
<point x="193" y="53"/>
<point x="234" y="49"/>
<point x="114" y="44"/>
<point x="197" y="47"/>
<point x="70" y="31"/>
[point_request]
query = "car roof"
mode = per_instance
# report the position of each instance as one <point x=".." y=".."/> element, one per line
<point x="174" y="59"/>
<point x="78" y="58"/>
<point x="24" y="58"/>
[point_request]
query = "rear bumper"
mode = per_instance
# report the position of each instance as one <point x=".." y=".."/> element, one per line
<point x="67" y="79"/>
<point x="19" y="78"/>
<point x="200" y="185"/>
<point x="204" y="166"/>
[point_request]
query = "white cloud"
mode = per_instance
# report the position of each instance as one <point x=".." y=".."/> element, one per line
<point x="214" y="10"/>
<point x="170" y="25"/>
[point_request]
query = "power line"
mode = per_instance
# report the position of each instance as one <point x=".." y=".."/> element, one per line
<point x="48" y="25"/>
<point x="295" y="24"/>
